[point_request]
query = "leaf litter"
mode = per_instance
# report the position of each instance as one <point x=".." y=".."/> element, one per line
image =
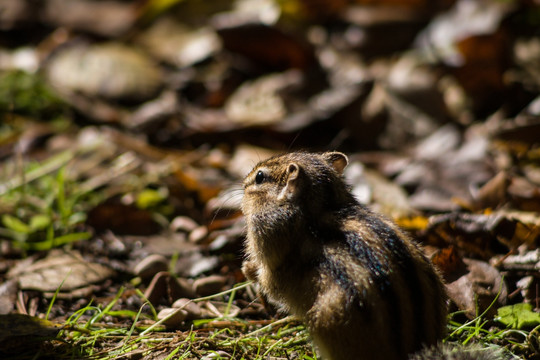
<point x="123" y="144"/>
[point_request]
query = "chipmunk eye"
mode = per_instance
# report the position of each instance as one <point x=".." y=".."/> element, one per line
<point x="259" y="178"/>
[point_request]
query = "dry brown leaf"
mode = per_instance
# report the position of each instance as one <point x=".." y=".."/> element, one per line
<point x="258" y="102"/>
<point x="472" y="233"/>
<point x="122" y="219"/>
<point x="267" y="46"/>
<point x="524" y="193"/>
<point x="527" y="228"/>
<point x="205" y="182"/>
<point x="105" y="18"/>
<point x="447" y="261"/>
<point x="372" y="188"/>
<point x="476" y="291"/>
<point x="65" y="270"/>
<point x="485" y="62"/>
<point x="112" y="71"/>
<point x="179" y="45"/>
<point x="493" y="193"/>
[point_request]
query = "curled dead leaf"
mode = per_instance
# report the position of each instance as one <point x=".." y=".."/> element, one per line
<point x="477" y="290"/>
<point x="65" y="270"/>
<point x="447" y="261"/>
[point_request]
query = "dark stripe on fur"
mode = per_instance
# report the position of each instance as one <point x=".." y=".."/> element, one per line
<point x="377" y="265"/>
<point x="405" y="261"/>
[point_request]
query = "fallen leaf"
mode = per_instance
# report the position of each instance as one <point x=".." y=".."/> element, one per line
<point x="8" y="295"/>
<point x="179" y="45"/>
<point x="122" y="219"/>
<point x="65" y="270"/>
<point x="258" y="102"/>
<point x="266" y="46"/>
<point x="112" y="71"/>
<point x="476" y="291"/>
<point x="479" y="234"/>
<point x="494" y="192"/>
<point x="447" y="261"/>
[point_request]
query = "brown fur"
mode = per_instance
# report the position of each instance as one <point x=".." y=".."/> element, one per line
<point x="363" y="288"/>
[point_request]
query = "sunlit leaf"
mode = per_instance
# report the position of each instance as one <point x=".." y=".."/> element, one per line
<point x="56" y="242"/>
<point x="69" y="238"/>
<point x="518" y="316"/>
<point x="40" y="222"/>
<point x="76" y="218"/>
<point x="149" y="198"/>
<point x="12" y="223"/>
<point x="153" y="8"/>
<point x="413" y="223"/>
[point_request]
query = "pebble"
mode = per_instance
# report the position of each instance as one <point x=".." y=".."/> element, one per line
<point x="150" y="266"/>
<point x="166" y="287"/>
<point x="209" y="285"/>
<point x="177" y="316"/>
<point x="217" y="355"/>
<point x="193" y="310"/>
<point x="198" y="234"/>
<point x="183" y="223"/>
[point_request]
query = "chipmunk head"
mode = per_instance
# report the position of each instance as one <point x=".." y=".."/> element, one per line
<point x="282" y="183"/>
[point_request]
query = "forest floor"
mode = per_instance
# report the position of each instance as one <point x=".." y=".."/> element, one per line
<point x="126" y="129"/>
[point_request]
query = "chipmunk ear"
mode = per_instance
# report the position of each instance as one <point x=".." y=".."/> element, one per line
<point x="293" y="172"/>
<point x="336" y="160"/>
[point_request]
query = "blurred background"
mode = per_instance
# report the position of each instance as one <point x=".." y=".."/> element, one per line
<point x="127" y="126"/>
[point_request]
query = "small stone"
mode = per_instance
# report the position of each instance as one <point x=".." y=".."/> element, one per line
<point x="217" y="355"/>
<point x="185" y="288"/>
<point x="193" y="310"/>
<point x="175" y="316"/>
<point x="150" y="266"/>
<point x="183" y="223"/>
<point x="198" y="234"/>
<point x="209" y="285"/>
<point x="165" y="288"/>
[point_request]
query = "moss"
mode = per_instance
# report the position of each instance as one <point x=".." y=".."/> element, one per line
<point x="27" y="94"/>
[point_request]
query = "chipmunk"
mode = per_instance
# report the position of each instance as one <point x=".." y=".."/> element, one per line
<point x="362" y="287"/>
